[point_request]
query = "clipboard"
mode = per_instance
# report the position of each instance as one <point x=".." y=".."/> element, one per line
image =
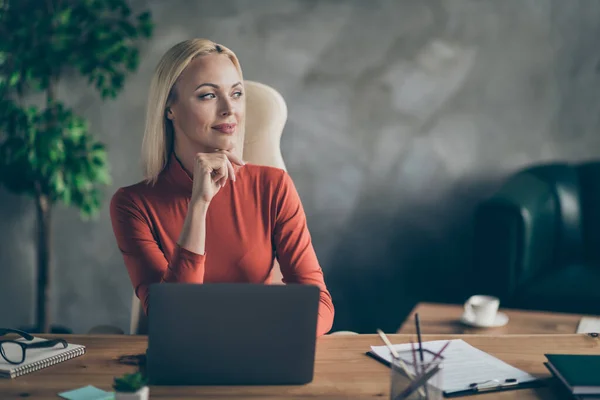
<point x="481" y="372"/>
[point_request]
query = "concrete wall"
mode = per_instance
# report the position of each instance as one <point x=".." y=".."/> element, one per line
<point x="403" y="115"/>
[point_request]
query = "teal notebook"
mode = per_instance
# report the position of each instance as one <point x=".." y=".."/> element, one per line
<point x="578" y="372"/>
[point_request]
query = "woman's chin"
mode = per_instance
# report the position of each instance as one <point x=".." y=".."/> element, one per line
<point x="225" y="143"/>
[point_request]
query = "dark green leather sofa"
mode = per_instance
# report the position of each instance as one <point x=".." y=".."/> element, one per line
<point x="537" y="240"/>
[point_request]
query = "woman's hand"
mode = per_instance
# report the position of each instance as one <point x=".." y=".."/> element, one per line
<point x="211" y="172"/>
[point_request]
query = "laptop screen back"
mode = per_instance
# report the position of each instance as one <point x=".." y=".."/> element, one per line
<point x="231" y="333"/>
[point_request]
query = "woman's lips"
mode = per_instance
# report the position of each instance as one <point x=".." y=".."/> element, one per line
<point x="225" y="128"/>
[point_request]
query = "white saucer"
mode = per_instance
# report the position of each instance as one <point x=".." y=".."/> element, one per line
<point x="501" y="320"/>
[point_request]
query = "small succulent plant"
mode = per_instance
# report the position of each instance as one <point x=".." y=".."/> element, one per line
<point x="130" y="382"/>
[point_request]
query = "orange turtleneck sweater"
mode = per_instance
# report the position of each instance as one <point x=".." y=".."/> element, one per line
<point x="249" y="222"/>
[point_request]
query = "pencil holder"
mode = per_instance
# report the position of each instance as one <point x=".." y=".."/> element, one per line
<point x="413" y="379"/>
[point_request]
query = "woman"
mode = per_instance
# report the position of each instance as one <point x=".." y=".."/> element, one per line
<point x="202" y="214"/>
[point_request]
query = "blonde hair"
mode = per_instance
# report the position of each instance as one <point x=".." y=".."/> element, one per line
<point x="157" y="144"/>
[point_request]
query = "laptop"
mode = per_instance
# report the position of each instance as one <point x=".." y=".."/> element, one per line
<point x="231" y="334"/>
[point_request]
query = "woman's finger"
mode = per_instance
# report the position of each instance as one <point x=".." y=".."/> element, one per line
<point x="233" y="158"/>
<point x="230" y="170"/>
<point x="219" y="174"/>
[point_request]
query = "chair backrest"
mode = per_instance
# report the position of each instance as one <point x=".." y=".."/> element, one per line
<point x="589" y="183"/>
<point x="563" y="178"/>
<point x="266" y="115"/>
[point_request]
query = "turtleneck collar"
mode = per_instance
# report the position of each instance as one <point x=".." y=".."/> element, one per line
<point x="178" y="174"/>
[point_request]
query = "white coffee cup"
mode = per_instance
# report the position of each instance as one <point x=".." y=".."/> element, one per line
<point x="482" y="309"/>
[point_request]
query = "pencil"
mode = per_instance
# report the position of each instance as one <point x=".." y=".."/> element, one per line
<point x="438" y="354"/>
<point x="419" y="336"/>
<point x="387" y="342"/>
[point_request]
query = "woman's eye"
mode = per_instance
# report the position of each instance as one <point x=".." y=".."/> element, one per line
<point x="207" y="96"/>
<point x="238" y="94"/>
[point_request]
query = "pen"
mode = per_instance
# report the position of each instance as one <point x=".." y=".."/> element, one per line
<point x="507" y="383"/>
<point x="419" y="336"/>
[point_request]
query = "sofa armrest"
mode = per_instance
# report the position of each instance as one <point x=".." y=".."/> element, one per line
<point x="515" y="233"/>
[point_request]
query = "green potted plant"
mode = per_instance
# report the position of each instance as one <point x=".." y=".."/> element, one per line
<point x="47" y="151"/>
<point x="131" y="387"/>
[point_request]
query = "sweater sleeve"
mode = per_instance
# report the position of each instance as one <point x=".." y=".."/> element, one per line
<point x="294" y="249"/>
<point x="144" y="259"/>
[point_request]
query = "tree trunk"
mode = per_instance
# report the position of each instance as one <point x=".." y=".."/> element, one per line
<point x="43" y="241"/>
<point x="43" y="264"/>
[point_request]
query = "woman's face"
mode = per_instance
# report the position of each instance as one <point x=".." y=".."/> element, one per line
<point x="208" y="106"/>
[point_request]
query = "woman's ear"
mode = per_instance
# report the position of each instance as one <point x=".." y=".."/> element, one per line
<point x="169" y="113"/>
<point x="170" y="100"/>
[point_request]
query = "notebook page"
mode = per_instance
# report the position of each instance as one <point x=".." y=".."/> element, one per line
<point x="463" y="364"/>
<point x="588" y="325"/>
<point x="35" y="355"/>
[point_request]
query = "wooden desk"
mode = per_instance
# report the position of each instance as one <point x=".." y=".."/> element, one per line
<point x="342" y="370"/>
<point x="444" y="318"/>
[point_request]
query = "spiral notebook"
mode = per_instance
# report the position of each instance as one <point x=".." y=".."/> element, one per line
<point x="36" y="359"/>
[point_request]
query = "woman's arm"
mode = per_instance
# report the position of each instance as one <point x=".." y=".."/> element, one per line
<point x="144" y="259"/>
<point x="193" y="233"/>
<point x="295" y="251"/>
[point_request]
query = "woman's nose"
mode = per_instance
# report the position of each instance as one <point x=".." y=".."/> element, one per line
<point x="226" y="108"/>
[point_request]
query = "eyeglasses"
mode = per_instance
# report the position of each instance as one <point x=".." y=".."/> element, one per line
<point x="13" y="351"/>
